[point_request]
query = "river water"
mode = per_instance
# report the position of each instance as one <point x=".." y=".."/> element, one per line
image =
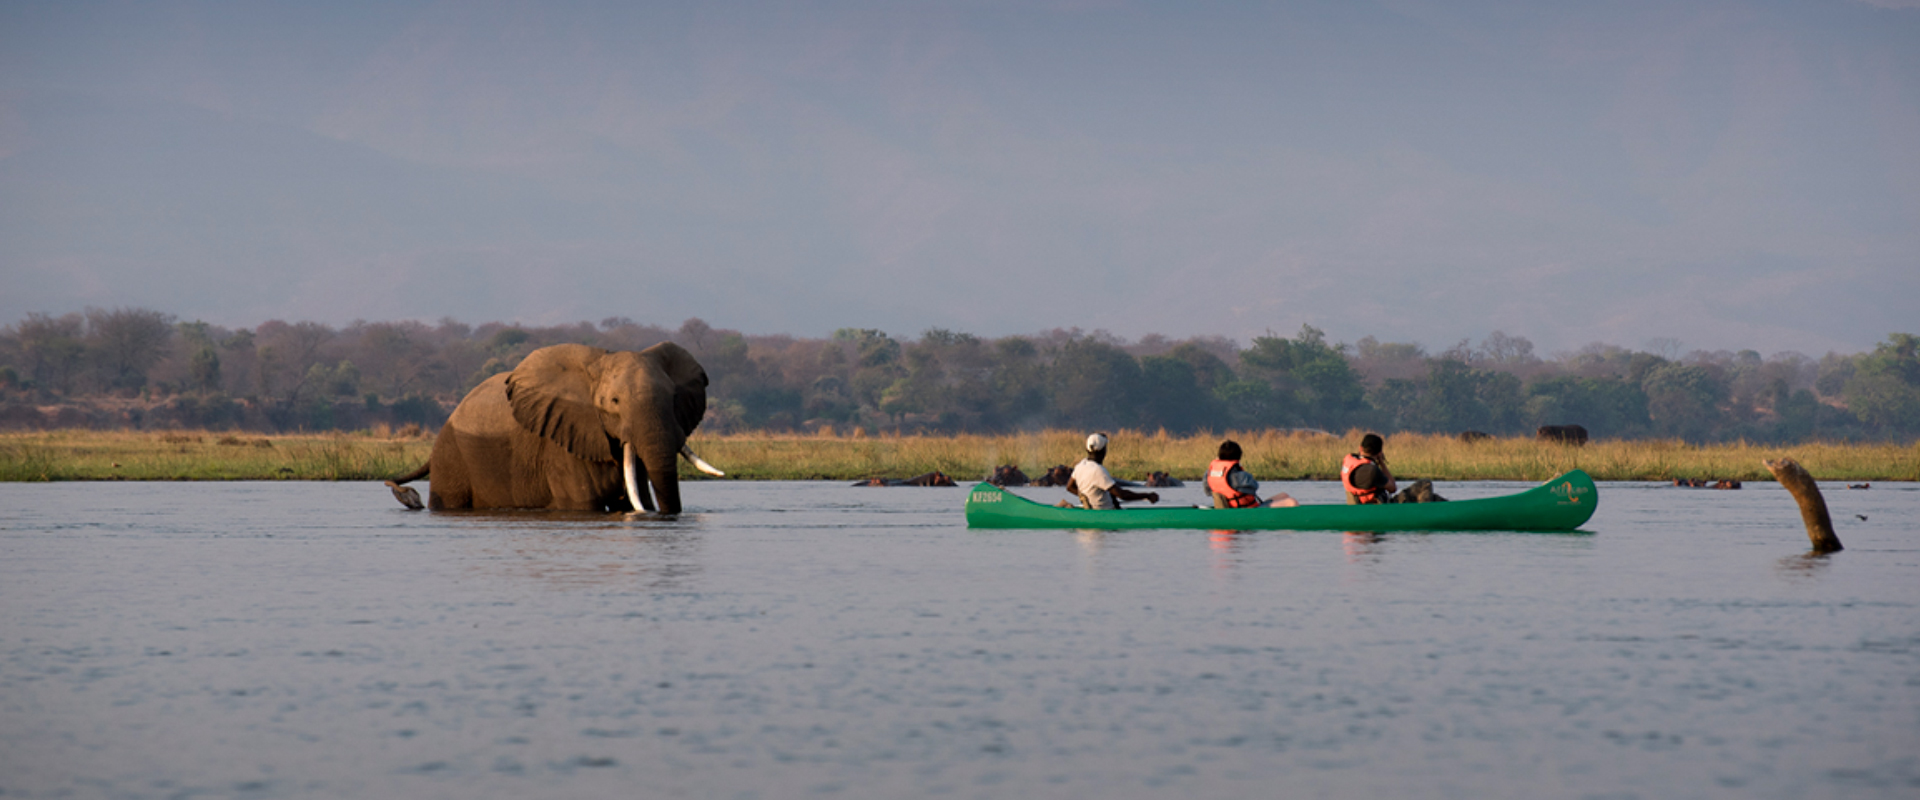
<point x="819" y="640"/>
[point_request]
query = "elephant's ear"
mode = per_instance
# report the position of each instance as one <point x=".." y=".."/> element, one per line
<point x="689" y="383"/>
<point x="552" y="395"/>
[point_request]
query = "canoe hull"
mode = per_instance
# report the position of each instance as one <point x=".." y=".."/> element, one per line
<point x="1562" y="504"/>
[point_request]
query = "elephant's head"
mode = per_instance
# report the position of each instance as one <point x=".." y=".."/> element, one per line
<point x="636" y="408"/>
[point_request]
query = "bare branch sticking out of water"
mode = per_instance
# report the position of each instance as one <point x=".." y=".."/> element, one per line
<point x="1813" y="507"/>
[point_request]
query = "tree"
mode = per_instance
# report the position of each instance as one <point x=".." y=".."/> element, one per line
<point x="1683" y="400"/>
<point x="693" y="334"/>
<point x="1017" y="382"/>
<point x="203" y="359"/>
<point x="1378" y="361"/>
<point x="1500" y="348"/>
<point x="1209" y="371"/>
<point x="916" y="390"/>
<point x="1451" y="400"/>
<point x="949" y="374"/>
<point x="1884" y="390"/>
<point x="286" y="354"/>
<point x="1095" y="385"/>
<point x="1606" y="406"/>
<point x="1307" y="374"/>
<point x="876" y="364"/>
<point x="54" y="349"/>
<point x="1171" y="397"/>
<point x="506" y="340"/>
<point x="1252" y="404"/>
<point x="1795" y="412"/>
<point x="203" y="370"/>
<point x="1397" y="400"/>
<point x="239" y="365"/>
<point x="126" y="342"/>
<point x="394" y="358"/>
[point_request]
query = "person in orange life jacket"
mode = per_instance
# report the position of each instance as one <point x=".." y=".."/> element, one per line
<point x="1096" y="487"/>
<point x="1233" y="487"/>
<point x="1365" y="474"/>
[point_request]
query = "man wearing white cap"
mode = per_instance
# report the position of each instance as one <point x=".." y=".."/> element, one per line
<point x="1095" y="486"/>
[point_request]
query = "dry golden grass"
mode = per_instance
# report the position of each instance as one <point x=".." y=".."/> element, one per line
<point x="205" y="456"/>
<point x="1276" y="455"/>
<point x="1270" y="455"/>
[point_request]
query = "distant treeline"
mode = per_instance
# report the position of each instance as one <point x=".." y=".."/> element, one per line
<point x="138" y="368"/>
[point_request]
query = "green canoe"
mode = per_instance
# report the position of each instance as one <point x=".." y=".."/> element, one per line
<point x="1561" y="504"/>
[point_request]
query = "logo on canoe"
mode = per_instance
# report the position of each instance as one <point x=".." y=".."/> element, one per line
<point x="984" y="497"/>
<point x="1567" y="492"/>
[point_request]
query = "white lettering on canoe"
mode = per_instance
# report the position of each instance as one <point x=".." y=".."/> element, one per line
<point x="984" y="497"/>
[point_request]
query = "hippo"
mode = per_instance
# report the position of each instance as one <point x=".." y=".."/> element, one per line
<point x="1008" y="475"/>
<point x="1161" y="479"/>
<point x="934" y="478"/>
<point x="1057" y="475"/>
<point x="1564" y="434"/>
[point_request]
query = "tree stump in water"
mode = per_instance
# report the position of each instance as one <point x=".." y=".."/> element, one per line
<point x="1813" y="507"/>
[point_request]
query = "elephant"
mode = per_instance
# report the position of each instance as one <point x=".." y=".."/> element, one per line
<point x="1564" y="434"/>
<point x="572" y="428"/>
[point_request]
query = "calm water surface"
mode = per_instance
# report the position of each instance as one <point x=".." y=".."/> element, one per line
<point x="806" y="639"/>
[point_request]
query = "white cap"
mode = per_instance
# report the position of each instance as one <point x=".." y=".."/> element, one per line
<point x="1096" y="442"/>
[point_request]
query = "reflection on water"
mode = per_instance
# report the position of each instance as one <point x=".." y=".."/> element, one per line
<point x="1805" y="566"/>
<point x="1364" y="551"/>
<point x="1228" y="549"/>
<point x="571" y="550"/>
<point x="1362" y="546"/>
<point x="795" y="639"/>
<point x="574" y="560"/>
<point x="1224" y="541"/>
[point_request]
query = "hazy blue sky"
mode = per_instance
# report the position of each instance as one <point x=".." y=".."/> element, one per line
<point x="1730" y="174"/>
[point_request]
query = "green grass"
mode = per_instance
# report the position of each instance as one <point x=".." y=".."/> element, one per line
<point x="376" y="455"/>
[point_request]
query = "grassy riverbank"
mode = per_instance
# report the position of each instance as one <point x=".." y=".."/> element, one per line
<point x="84" y="455"/>
<point x="203" y="455"/>
<point x="1285" y="456"/>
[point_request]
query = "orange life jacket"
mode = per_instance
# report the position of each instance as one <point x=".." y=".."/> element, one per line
<point x="1353" y="462"/>
<point x="1217" y="483"/>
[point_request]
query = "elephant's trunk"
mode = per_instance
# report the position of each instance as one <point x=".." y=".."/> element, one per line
<point x="663" y="472"/>
<point x="630" y="471"/>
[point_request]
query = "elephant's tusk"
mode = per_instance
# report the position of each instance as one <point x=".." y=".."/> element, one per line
<point x="627" y="461"/>
<point x="700" y="462"/>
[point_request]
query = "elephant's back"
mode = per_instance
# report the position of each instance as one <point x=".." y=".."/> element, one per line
<point x="473" y="462"/>
<point x="484" y="410"/>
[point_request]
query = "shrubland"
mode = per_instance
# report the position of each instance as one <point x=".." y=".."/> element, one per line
<point x="139" y="369"/>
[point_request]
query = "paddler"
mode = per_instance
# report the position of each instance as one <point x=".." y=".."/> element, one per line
<point x="1096" y="487"/>
<point x="1234" y="487"/>
<point x="1365" y="474"/>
